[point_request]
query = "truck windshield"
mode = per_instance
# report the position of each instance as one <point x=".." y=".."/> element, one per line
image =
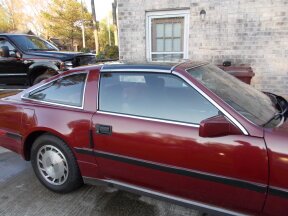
<point x="33" y="43"/>
<point x="249" y="102"/>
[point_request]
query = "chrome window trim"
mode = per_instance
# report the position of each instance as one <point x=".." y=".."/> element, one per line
<point x="148" y="118"/>
<point x="98" y="92"/>
<point x="230" y="117"/>
<point x="12" y="74"/>
<point x="11" y="89"/>
<point x="59" y="104"/>
<point x="136" y="70"/>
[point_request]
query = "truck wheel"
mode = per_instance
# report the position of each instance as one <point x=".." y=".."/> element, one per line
<point x="43" y="76"/>
<point x="55" y="165"/>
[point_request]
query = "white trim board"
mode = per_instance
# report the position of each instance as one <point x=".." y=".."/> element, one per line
<point x="167" y="14"/>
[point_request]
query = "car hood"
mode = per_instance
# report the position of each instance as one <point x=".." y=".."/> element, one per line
<point x="283" y="128"/>
<point x="59" y="54"/>
<point x="278" y="133"/>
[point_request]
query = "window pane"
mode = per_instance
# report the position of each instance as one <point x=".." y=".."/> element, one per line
<point x="167" y="57"/>
<point x="157" y="57"/>
<point x="67" y="90"/>
<point x="161" y="96"/>
<point x="31" y="42"/>
<point x="9" y="45"/>
<point x="168" y="30"/>
<point x="6" y="43"/>
<point x="177" y="45"/>
<point x="177" y="56"/>
<point x="167" y="37"/>
<point x="177" y="30"/>
<point x="251" y="103"/>
<point x="168" y="45"/>
<point x="160" y="45"/>
<point x="159" y="30"/>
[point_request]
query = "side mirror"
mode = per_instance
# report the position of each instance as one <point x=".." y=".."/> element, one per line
<point x="218" y="126"/>
<point x="4" y="51"/>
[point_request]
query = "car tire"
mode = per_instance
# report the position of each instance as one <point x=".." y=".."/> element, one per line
<point x="55" y="164"/>
<point x="47" y="74"/>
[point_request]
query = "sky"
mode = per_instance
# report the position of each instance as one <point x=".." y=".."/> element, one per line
<point x="103" y="7"/>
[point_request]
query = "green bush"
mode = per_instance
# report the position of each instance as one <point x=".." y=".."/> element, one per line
<point x="110" y="52"/>
<point x="85" y="50"/>
<point x="100" y="55"/>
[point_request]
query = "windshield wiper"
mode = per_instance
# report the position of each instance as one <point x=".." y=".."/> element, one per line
<point x="282" y="115"/>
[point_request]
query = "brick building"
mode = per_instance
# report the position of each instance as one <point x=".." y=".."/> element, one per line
<point x="253" y="32"/>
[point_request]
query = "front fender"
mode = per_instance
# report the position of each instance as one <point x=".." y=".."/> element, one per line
<point x="54" y="65"/>
<point x="38" y="68"/>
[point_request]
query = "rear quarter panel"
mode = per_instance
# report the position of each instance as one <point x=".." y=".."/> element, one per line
<point x="19" y="120"/>
<point x="69" y="124"/>
<point x="27" y="118"/>
<point x="10" y="128"/>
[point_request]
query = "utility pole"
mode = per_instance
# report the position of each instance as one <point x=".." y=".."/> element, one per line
<point x="109" y="32"/>
<point x="114" y="15"/>
<point x="95" y="27"/>
<point x="83" y="34"/>
<point x="83" y="26"/>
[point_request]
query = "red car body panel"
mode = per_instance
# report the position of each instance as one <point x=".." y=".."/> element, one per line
<point x="180" y="146"/>
<point x="238" y="172"/>
<point x="277" y="141"/>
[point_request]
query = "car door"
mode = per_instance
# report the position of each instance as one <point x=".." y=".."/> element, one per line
<point x="12" y="69"/>
<point x="147" y="135"/>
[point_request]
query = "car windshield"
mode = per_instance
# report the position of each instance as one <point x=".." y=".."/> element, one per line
<point x="251" y="103"/>
<point x="26" y="43"/>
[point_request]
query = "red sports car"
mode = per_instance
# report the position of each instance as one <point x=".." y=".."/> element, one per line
<point x="190" y="133"/>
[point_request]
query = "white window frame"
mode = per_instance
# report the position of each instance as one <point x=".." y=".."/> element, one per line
<point x="167" y="14"/>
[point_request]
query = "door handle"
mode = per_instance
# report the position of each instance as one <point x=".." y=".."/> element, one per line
<point x="103" y="129"/>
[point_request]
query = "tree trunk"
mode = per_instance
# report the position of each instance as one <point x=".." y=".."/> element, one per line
<point x="95" y="27"/>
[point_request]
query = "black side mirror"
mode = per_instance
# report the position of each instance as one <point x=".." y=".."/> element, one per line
<point x="4" y="51"/>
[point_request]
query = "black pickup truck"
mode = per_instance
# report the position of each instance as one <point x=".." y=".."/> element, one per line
<point x="27" y="59"/>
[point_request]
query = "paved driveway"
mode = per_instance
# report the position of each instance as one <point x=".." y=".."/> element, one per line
<point x="22" y="195"/>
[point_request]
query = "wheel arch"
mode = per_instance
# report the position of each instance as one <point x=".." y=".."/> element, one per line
<point x="40" y="68"/>
<point x="32" y="136"/>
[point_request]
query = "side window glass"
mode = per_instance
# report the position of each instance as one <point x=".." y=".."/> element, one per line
<point x="5" y="43"/>
<point x="160" y="96"/>
<point x="67" y="90"/>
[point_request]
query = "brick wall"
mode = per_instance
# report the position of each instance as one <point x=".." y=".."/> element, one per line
<point x="253" y="32"/>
